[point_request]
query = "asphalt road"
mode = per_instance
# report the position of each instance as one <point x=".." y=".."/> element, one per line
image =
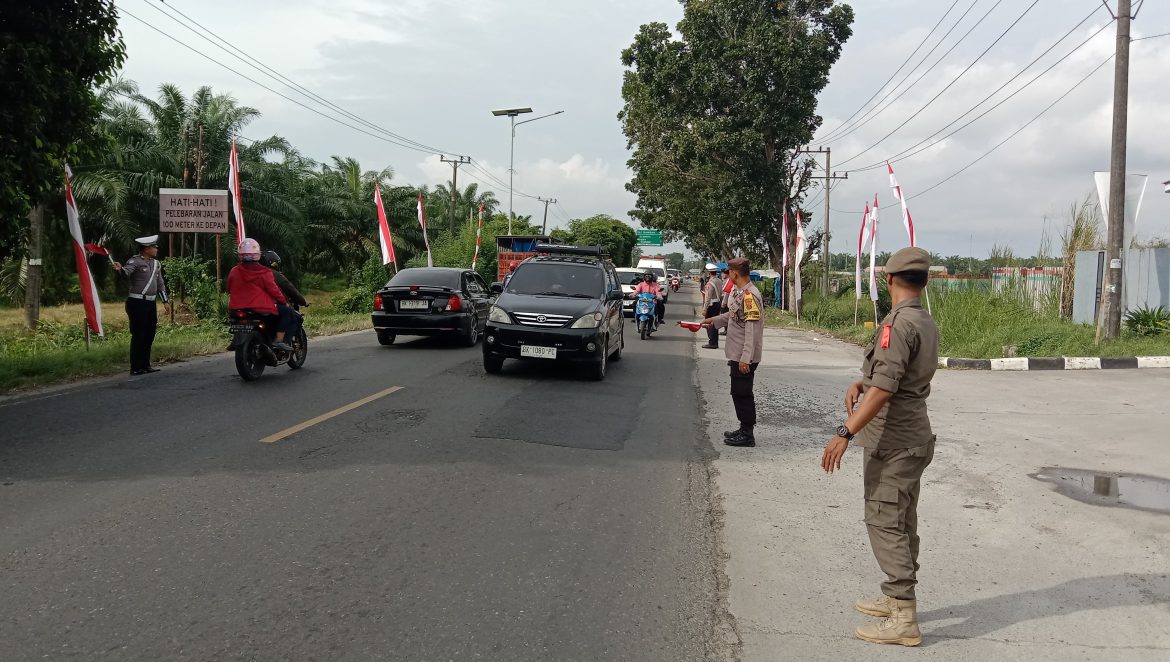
<point x="530" y="515"/>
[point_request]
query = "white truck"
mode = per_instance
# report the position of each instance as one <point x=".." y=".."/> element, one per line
<point x="658" y="266"/>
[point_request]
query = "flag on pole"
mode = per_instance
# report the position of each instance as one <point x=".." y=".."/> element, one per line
<point x="89" y="293"/>
<point x="478" y="233"/>
<point x="801" y="245"/>
<point x="860" y="250"/>
<point x="873" y="243"/>
<point x="784" y="234"/>
<point x="97" y="250"/>
<point x="422" y="220"/>
<point x="384" y="238"/>
<point x="234" y="187"/>
<point x="906" y="220"/>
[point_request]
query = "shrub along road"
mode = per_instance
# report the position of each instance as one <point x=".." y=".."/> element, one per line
<point x="530" y="515"/>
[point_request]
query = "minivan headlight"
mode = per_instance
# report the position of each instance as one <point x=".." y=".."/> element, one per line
<point x="497" y="314"/>
<point x="590" y="321"/>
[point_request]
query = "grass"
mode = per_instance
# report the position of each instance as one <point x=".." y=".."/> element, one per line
<point x="56" y="351"/>
<point x="976" y="324"/>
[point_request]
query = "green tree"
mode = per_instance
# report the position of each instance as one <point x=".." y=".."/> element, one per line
<point x="715" y="117"/>
<point x="675" y="260"/>
<point x="604" y="230"/>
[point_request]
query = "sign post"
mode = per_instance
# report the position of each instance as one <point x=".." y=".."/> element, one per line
<point x="194" y="211"/>
<point x="649" y="237"/>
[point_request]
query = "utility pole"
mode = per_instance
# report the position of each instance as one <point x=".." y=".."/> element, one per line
<point x="1109" y="325"/>
<point x="829" y="176"/>
<point x="32" y="278"/>
<point x="544" y="229"/>
<point x="455" y="163"/>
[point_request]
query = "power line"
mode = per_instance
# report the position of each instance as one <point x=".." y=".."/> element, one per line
<point x="263" y="68"/>
<point x="948" y="85"/>
<point x="1016" y="132"/>
<point x="898" y="70"/>
<point x="874" y="111"/>
<point x="1153" y="36"/>
<point x="921" y="146"/>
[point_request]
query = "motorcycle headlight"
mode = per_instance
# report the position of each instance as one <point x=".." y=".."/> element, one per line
<point x="497" y="314"/>
<point x="590" y="321"/>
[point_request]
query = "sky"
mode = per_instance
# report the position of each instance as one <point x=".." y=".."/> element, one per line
<point x="432" y="70"/>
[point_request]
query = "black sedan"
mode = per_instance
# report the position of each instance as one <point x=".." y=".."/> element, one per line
<point x="432" y="301"/>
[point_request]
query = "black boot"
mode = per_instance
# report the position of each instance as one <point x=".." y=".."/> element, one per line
<point x="741" y="438"/>
<point x="732" y="433"/>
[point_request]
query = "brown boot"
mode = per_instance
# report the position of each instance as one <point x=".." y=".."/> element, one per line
<point x="900" y="627"/>
<point x="879" y="607"/>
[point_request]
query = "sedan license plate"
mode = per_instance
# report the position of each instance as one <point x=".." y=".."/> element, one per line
<point x="534" y="352"/>
<point x="413" y="304"/>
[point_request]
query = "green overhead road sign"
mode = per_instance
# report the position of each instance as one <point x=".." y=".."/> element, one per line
<point x="649" y="237"/>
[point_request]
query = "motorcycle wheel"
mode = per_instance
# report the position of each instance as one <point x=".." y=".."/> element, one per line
<point x="644" y="329"/>
<point x="248" y="361"/>
<point x="300" y="345"/>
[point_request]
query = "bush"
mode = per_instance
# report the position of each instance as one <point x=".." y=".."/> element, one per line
<point x="354" y="300"/>
<point x="312" y="282"/>
<point x="1146" y="321"/>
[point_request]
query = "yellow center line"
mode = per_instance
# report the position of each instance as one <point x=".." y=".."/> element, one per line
<point x="287" y="432"/>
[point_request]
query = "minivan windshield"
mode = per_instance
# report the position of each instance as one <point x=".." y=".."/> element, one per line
<point x="557" y="279"/>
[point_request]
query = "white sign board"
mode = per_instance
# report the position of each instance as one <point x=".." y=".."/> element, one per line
<point x="192" y="210"/>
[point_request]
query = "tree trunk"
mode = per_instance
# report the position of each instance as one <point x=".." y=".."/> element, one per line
<point x="32" y="283"/>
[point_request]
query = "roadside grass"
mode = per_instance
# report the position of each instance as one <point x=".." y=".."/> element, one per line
<point x="56" y="351"/>
<point x="977" y="324"/>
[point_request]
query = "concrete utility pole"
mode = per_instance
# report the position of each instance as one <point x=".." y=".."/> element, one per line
<point x="544" y="229"/>
<point x="829" y="176"/>
<point x="455" y="163"/>
<point x="1109" y="324"/>
<point x="32" y="277"/>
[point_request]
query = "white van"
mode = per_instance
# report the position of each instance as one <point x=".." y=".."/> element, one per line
<point x="658" y="266"/>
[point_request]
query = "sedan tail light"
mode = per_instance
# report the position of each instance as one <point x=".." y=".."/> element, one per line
<point x="378" y="302"/>
<point x="454" y="304"/>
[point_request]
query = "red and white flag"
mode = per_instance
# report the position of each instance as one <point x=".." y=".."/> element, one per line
<point x="860" y="250"/>
<point x="384" y="239"/>
<point x="801" y="246"/>
<point x="906" y="220"/>
<point x="422" y="220"/>
<point x="873" y="243"/>
<point x="89" y="293"/>
<point x="784" y="234"/>
<point x="234" y="187"/>
<point x="478" y="232"/>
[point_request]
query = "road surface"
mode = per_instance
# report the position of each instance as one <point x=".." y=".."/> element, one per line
<point x="532" y="515"/>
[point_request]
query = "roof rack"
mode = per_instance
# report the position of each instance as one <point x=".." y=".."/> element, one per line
<point x="592" y="251"/>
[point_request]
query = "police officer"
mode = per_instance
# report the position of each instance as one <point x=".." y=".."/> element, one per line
<point x="712" y="291"/>
<point x="886" y="412"/>
<point x="146" y="286"/>
<point x="745" y="342"/>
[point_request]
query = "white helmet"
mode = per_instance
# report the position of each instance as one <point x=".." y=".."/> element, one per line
<point x="711" y="267"/>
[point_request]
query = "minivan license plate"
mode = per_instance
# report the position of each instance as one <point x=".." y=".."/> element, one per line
<point x="534" y="352"/>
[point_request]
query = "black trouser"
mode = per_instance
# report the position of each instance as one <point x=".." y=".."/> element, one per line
<point x="743" y="395"/>
<point x="712" y="332"/>
<point x="143" y="316"/>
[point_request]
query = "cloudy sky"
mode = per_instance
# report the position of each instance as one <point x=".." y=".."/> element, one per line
<point x="432" y="70"/>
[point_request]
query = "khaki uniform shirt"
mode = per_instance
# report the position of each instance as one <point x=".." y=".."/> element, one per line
<point x="146" y="277"/>
<point x="744" y="321"/>
<point x="712" y="291"/>
<point x="901" y="359"/>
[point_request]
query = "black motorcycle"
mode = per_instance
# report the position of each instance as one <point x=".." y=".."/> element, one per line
<point x="252" y="338"/>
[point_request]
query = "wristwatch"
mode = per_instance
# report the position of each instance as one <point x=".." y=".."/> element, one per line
<point x="844" y="433"/>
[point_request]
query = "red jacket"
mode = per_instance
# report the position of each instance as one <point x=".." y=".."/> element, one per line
<point x="252" y="287"/>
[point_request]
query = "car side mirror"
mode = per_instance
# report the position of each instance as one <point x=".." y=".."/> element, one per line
<point x="616" y="295"/>
<point x="497" y="288"/>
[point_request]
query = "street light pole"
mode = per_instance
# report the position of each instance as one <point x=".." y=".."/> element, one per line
<point x="511" y="113"/>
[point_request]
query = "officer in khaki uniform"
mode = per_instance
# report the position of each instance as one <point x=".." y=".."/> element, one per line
<point x="886" y="412"/>
<point x="146" y="287"/>
<point x="744" y="321"/>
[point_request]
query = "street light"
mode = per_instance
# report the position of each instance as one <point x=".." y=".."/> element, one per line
<point x="512" y="113"/>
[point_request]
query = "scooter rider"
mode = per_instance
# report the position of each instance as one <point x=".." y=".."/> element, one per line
<point x="649" y="285"/>
<point x="252" y="286"/>
<point x="271" y="259"/>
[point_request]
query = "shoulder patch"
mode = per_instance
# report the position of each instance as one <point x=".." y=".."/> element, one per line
<point x="751" y="308"/>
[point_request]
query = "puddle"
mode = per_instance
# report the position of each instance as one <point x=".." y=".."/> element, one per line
<point x="1109" y="489"/>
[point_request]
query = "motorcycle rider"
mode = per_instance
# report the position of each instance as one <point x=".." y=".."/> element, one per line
<point x="649" y="285"/>
<point x="251" y="286"/>
<point x="271" y="259"/>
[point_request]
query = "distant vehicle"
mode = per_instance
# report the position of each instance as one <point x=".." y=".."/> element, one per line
<point x="432" y="301"/>
<point x="658" y="266"/>
<point x="629" y="279"/>
<point x="511" y="250"/>
<point x="565" y="304"/>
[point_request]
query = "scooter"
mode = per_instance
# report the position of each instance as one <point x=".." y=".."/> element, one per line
<point x="674" y="284"/>
<point x="645" y="312"/>
<point x="252" y="337"/>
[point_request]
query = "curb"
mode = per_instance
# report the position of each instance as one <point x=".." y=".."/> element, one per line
<point x="1057" y="363"/>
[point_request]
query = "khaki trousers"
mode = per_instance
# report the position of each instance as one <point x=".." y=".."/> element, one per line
<point x="892" y="483"/>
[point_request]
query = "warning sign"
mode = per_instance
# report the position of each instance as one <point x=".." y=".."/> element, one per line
<point x="192" y="210"/>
